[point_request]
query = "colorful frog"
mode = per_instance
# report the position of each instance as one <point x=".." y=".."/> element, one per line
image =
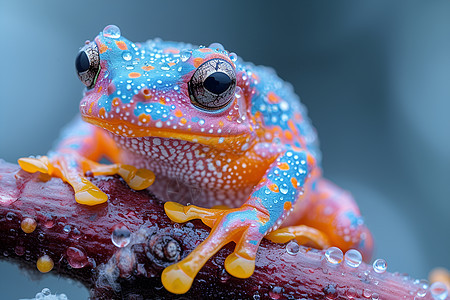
<point x="216" y="132"/>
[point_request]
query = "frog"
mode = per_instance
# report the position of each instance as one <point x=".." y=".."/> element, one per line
<point x="217" y="138"/>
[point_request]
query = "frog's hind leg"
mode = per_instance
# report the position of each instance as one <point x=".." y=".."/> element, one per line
<point x="332" y="213"/>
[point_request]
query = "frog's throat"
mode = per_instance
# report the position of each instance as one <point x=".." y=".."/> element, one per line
<point x="238" y="142"/>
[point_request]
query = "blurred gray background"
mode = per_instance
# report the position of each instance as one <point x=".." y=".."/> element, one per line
<point x="375" y="76"/>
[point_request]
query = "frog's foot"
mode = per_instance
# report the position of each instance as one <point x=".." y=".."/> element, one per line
<point x="244" y="226"/>
<point x="72" y="167"/>
<point x="304" y="235"/>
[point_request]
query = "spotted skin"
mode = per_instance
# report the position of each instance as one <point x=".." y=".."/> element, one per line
<point x="258" y="155"/>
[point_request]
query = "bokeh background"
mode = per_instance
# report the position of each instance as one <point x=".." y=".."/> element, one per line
<point x="375" y="76"/>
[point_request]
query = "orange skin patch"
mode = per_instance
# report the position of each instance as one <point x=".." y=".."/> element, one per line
<point x="102" y="112"/>
<point x="288" y="135"/>
<point x="198" y="61"/>
<point x="171" y="50"/>
<point x="178" y="113"/>
<point x="283" y="166"/>
<point x="273" y="187"/>
<point x="134" y="75"/>
<point x="102" y="48"/>
<point x="294" y="182"/>
<point x="148" y="68"/>
<point x="121" y="45"/>
<point x="90" y="107"/>
<point x="116" y="101"/>
<point x="144" y="118"/>
<point x="273" y="98"/>
<point x="287" y="205"/>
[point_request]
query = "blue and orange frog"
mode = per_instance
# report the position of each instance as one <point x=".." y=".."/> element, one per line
<point x="212" y="130"/>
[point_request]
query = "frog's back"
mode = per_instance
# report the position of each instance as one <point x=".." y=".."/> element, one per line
<point x="276" y="105"/>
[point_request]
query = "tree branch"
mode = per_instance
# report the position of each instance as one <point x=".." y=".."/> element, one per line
<point x="78" y="239"/>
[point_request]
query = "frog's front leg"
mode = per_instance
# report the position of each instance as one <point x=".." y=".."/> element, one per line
<point x="269" y="204"/>
<point x="77" y="153"/>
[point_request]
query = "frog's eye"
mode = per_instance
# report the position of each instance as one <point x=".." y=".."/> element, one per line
<point x="87" y="64"/>
<point x="212" y="85"/>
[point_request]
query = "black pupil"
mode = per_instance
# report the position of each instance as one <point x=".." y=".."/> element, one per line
<point x="217" y="83"/>
<point x="82" y="62"/>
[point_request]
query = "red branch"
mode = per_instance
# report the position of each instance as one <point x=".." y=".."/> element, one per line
<point x="78" y="239"/>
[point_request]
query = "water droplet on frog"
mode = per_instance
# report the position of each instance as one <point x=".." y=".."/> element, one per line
<point x="380" y="266"/>
<point x="233" y="56"/>
<point x="106" y="74"/>
<point x="185" y="55"/>
<point x="77" y="259"/>
<point x="121" y="236"/>
<point x="353" y="258"/>
<point x="126" y="55"/>
<point x="284" y="189"/>
<point x="334" y="255"/>
<point x="62" y="297"/>
<point x="439" y="291"/>
<point x="46" y="291"/>
<point x="292" y="247"/>
<point x="216" y="46"/>
<point x="111" y="31"/>
<point x="375" y="296"/>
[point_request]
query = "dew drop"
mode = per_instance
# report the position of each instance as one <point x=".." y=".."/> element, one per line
<point x="380" y="266"/>
<point x="439" y="291"/>
<point x="334" y="255"/>
<point x="67" y="229"/>
<point x="233" y="56"/>
<point x="375" y="296"/>
<point x="216" y="46"/>
<point x="19" y="250"/>
<point x="353" y="258"/>
<point x="185" y="55"/>
<point x="292" y="247"/>
<point x="367" y="293"/>
<point x="276" y="293"/>
<point x="351" y="293"/>
<point x="121" y="236"/>
<point x="76" y="258"/>
<point x="284" y="189"/>
<point x="44" y="264"/>
<point x="28" y="225"/>
<point x="111" y="31"/>
<point x="126" y="55"/>
<point x="10" y="216"/>
<point x="46" y="291"/>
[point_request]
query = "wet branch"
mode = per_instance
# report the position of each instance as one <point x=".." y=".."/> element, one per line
<point x="79" y="240"/>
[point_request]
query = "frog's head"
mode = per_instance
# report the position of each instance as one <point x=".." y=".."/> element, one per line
<point x="165" y="89"/>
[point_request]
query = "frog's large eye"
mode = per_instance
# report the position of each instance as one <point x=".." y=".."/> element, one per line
<point x="87" y="64"/>
<point x="212" y="85"/>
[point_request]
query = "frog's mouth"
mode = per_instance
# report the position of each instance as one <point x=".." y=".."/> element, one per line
<point x="236" y="143"/>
